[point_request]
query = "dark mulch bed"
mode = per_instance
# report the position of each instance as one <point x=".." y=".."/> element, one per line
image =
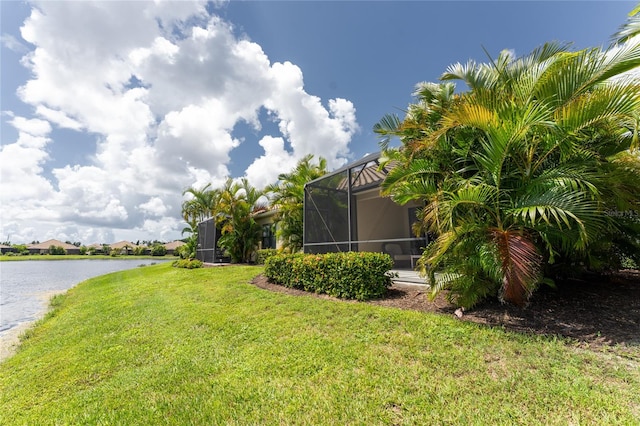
<point x="596" y="313"/>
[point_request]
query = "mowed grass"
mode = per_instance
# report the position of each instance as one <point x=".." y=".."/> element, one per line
<point x="159" y="345"/>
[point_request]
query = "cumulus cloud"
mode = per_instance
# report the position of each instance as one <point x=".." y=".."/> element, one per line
<point x="154" y="207"/>
<point x="22" y="165"/>
<point x="265" y="169"/>
<point x="12" y="43"/>
<point x="158" y="88"/>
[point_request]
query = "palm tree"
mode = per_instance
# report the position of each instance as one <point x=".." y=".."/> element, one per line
<point x="189" y="250"/>
<point x="287" y="195"/>
<point x="201" y="205"/>
<point x="240" y="233"/>
<point x="518" y="172"/>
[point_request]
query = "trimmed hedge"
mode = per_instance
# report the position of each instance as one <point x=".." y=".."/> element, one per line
<point x="187" y="263"/>
<point x="351" y="275"/>
<point x="263" y="254"/>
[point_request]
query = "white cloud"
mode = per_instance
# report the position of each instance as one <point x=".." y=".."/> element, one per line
<point x="154" y="207"/>
<point x="265" y="169"/>
<point x="160" y="87"/>
<point x="12" y="43"/>
<point x="23" y="188"/>
<point x="58" y="117"/>
<point x="34" y="127"/>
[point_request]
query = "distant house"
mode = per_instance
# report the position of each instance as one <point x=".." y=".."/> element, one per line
<point x="43" y="248"/>
<point x="6" y="249"/>
<point x="172" y="246"/>
<point x="96" y="248"/>
<point x="125" y="247"/>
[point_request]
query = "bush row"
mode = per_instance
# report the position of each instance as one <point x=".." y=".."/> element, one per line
<point x="263" y="254"/>
<point x="187" y="263"/>
<point x="352" y="275"/>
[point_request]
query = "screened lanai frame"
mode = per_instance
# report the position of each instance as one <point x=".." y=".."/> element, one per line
<point x="344" y="211"/>
<point x="207" y="250"/>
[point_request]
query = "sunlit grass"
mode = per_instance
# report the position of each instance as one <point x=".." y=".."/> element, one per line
<point x="159" y="345"/>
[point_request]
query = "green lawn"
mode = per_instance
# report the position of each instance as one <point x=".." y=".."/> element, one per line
<point x="159" y="345"/>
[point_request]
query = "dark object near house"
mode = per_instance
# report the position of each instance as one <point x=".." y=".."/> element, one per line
<point x="208" y="250"/>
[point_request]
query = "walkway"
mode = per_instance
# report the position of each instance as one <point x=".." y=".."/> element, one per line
<point x="408" y="277"/>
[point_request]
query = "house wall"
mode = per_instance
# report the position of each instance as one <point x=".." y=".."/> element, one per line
<point x="379" y="218"/>
<point x="268" y="219"/>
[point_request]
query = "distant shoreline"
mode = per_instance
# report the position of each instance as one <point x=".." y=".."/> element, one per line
<point x="5" y="258"/>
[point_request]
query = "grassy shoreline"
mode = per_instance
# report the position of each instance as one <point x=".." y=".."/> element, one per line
<point x="160" y="345"/>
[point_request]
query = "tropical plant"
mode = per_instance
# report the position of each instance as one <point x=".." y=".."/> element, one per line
<point x="158" y="250"/>
<point x="188" y="250"/>
<point x="139" y="250"/>
<point x="631" y="28"/>
<point x="526" y="169"/>
<point x="287" y="196"/>
<point x="240" y="233"/>
<point x="56" y="250"/>
<point x="201" y="204"/>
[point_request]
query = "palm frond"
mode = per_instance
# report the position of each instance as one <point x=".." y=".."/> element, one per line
<point x="560" y="209"/>
<point x="609" y="103"/>
<point x="421" y="171"/>
<point x="386" y="128"/>
<point x="629" y="29"/>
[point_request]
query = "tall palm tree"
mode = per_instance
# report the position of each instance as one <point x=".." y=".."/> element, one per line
<point x="201" y="205"/>
<point x="287" y="195"/>
<point x="240" y="233"/>
<point x="518" y="172"/>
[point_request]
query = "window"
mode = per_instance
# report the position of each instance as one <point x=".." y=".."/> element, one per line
<point x="268" y="237"/>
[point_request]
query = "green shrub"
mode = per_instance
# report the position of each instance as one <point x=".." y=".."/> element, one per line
<point x="352" y="275"/>
<point x="158" y="250"/>
<point x="628" y="263"/>
<point x="263" y="254"/>
<point x="139" y="250"/>
<point x="57" y="250"/>
<point x="187" y="263"/>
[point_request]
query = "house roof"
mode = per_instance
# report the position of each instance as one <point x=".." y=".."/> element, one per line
<point x="174" y="245"/>
<point x="122" y="244"/>
<point x="46" y="244"/>
<point x="364" y="173"/>
<point x="368" y="176"/>
<point x="265" y="212"/>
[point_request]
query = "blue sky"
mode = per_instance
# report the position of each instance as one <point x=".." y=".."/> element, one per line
<point x="111" y="109"/>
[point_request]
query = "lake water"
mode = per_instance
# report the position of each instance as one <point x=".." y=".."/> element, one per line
<point x="27" y="285"/>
